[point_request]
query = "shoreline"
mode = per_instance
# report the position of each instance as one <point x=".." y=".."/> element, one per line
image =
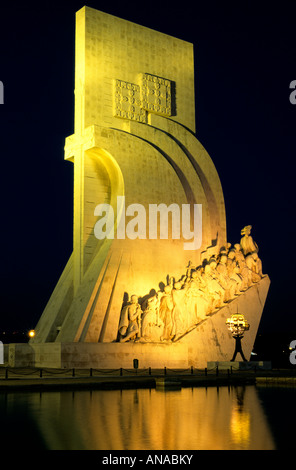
<point x="26" y="380"/>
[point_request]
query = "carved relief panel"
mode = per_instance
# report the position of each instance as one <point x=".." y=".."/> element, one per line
<point x="156" y="94"/>
<point x="133" y="101"/>
<point x="127" y="102"/>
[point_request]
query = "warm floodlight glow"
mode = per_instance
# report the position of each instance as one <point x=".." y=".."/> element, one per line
<point x="31" y="333"/>
<point x="240" y="427"/>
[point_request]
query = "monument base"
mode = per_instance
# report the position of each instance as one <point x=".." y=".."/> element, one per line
<point x="98" y="355"/>
<point x="240" y="365"/>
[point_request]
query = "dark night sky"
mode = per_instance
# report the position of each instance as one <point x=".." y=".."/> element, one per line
<point x="245" y="59"/>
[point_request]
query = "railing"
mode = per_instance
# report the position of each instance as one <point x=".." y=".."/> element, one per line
<point x="27" y="372"/>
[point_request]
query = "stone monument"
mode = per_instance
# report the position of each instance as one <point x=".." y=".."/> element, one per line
<point x="151" y="275"/>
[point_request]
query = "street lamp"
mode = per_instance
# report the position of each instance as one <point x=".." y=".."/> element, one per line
<point x="237" y="324"/>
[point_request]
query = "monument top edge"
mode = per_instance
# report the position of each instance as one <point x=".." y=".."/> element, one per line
<point x="93" y="11"/>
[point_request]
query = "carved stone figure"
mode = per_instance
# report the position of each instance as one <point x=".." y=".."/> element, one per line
<point x="243" y="269"/>
<point x="165" y="313"/>
<point x="196" y="302"/>
<point x="179" y="306"/>
<point x="258" y="264"/>
<point x="224" y="250"/>
<point x="130" y="320"/>
<point x="178" y="299"/>
<point x="247" y="244"/>
<point x="226" y="282"/>
<point x="189" y="270"/>
<point x="234" y="273"/>
<point x="238" y="253"/>
<point x="255" y="267"/>
<point x="214" y="290"/>
<point x="151" y="323"/>
<point x="199" y="279"/>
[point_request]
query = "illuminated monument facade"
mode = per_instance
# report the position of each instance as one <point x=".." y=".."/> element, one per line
<point x="151" y="275"/>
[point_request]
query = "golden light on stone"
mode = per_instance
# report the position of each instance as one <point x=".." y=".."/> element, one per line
<point x="134" y="141"/>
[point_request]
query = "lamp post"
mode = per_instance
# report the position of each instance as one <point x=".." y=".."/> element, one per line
<point x="237" y="324"/>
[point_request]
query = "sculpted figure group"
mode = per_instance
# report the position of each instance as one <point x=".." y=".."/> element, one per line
<point x="176" y="309"/>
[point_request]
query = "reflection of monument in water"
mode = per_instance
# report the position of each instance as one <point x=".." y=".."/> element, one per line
<point x="160" y="298"/>
<point x="199" y="418"/>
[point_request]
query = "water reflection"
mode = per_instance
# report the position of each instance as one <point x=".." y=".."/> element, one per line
<point x="197" y="418"/>
<point x="240" y="421"/>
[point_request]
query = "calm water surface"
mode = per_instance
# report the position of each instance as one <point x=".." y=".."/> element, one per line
<point x="192" y="418"/>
